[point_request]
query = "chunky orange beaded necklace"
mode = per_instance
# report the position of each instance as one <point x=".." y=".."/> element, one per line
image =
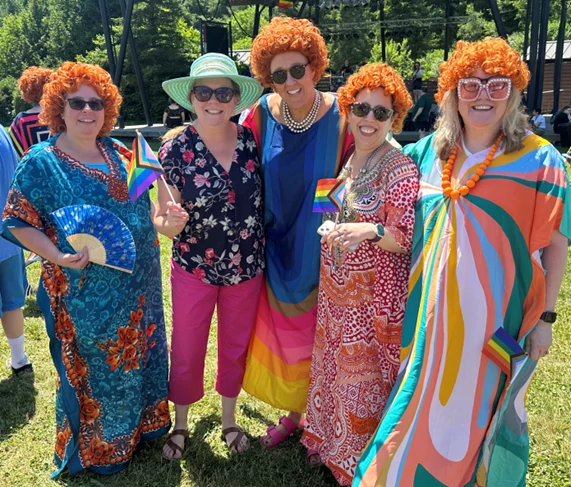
<point x="474" y="178"/>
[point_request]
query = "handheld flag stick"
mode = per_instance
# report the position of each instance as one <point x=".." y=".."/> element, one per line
<point x="168" y="189"/>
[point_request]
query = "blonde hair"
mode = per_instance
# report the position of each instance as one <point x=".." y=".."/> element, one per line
<point x="449" y="125"/>
<point x="172" y="133"/>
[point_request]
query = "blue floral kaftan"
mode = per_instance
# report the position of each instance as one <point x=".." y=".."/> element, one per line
<point x="106" y="327"/>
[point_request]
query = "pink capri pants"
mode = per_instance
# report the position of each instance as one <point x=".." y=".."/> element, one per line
<point x="193" y="304"/>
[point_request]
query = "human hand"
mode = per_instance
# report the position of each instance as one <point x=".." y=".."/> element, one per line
<point x="176" y="216"/>
<point x="76" y="261"/>
<point x="349" y="234"/>
<point x="539" y="340"/>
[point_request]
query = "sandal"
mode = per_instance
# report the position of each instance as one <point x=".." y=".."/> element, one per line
<point x="173" y="446"/>
<point x="275" y="436"/>
<point x="233" y="446"/>
<point x="313" y="458"/>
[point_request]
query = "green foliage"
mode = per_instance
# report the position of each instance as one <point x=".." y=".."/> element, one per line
<point x="47" y="32"/>
<point x="8" y="93"/>
<point x="398" y="56"/>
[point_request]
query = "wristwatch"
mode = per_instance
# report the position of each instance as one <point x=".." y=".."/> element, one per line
<point x="380" y="233"/>
<point x="548" y="317"/>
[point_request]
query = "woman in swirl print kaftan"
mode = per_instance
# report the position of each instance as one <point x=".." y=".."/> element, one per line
<point x="454" y="418"/>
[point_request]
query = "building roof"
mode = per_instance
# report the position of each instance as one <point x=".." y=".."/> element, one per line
<point x="551" y="48"/>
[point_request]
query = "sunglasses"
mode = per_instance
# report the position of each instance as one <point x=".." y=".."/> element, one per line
<point x="95" y="104"/>
<point x="297" y="71"/>
<point x="498" y="89"/>
<point x="361" y="110"/>
<point x="204" y="93"/>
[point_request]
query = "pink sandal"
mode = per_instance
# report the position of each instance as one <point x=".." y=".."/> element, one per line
<point x="313" y="458"/>
<point x="275" y="436"/>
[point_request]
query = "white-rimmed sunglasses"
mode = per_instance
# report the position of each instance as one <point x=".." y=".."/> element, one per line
<point x="497" y="88"/>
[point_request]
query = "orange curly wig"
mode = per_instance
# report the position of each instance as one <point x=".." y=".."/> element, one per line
<point x="32" y="82"/>
<point x="493" y="55"/>
<point x="284" y="34"/>
<point x="68" y="79"/>
<point x="374" y="76"/>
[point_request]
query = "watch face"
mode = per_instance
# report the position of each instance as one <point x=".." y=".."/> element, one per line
<point x="549" y="316"/>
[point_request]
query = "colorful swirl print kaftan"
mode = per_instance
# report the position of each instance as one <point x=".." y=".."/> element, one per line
<point x="279" y="358"/>
<point x="454" y="418"/>
<point x="106" y="327"/>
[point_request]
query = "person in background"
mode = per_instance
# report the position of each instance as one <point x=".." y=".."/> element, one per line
<point x="537" y="122"/>
<point x="561" y="117"/>
<point x="174" y="115"/>
<point x="421" y="114"/>
<point x="417" y="75"/>
<point x="12" y="271"/>
<point x="26" y="130"/>
<point x="492" y="195"/>
<point x="362" y="293"/>
<point x="212" y="169"/>
<point x="106" y="327"/>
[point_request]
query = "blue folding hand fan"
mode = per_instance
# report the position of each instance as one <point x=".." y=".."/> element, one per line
<point x="107" y="238"/>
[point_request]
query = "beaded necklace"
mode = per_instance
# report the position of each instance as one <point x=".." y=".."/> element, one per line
<point x="307" y="122"/>
<point x="474" y="178"/>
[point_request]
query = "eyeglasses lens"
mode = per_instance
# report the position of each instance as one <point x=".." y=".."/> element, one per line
<point x="79" y="104"/>
<point x="382" y="114"/>
<point x="297" y="71"/>
<point x="204" y="93"/>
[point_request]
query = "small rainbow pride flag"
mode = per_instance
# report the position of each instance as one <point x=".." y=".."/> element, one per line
<point x="285" y="3"/>
<point x="329" y="195"/>
<point x="505" y="352"/>
<point x="144" y="169"/>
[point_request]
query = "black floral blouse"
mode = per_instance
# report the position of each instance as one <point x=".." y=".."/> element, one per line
<point x="223" y="242"/>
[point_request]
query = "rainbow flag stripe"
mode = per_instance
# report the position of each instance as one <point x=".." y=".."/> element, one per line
<point x="504" y="351"/>
<point x="285" y="3"/>
<point x="329" y="195"/>
<point x="144" y="168"/>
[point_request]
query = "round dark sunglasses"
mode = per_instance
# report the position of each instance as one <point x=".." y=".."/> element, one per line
<point x="361" y="110"/>
<point x="95" y="104"/>
<point x="297" y="71"/>
<point x="204" y="93"/>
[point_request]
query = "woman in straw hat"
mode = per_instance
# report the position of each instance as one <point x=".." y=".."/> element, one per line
<point x="212" y="170"/>
<point x="302" y="138"/>
<point x="481" y="302"/>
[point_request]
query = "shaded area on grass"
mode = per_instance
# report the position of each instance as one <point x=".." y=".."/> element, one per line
<point x="18" y="404"/>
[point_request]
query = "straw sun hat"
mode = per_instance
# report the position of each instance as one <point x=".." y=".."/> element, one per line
<point x="213" y="65"/>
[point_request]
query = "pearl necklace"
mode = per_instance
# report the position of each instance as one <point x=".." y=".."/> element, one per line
<point x="307" y="122"/>
<point x="471" y="183"/>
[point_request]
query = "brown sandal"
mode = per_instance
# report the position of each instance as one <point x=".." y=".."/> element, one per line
<point x="233" y="447"/>
<point x="173" y="446"/>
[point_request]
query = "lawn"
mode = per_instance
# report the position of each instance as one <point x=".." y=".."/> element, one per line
<point x="27" y="430"/>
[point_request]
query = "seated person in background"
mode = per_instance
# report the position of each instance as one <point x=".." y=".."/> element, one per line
<point x="561" y="117"/>
<point x="174" y="115"/>
<point x="537" y="122"/>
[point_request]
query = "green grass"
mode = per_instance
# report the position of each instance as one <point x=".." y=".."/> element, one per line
<point x="27" y="430"/>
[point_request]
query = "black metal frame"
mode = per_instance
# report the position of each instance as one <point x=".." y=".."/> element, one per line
<point x="116" y="68"/>
<point x="537" y="17"/>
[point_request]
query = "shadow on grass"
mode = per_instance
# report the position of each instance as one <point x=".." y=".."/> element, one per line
<point x="31" y="309"/>
<point x="18" y="404"/>
<point x="209" y="464"/>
